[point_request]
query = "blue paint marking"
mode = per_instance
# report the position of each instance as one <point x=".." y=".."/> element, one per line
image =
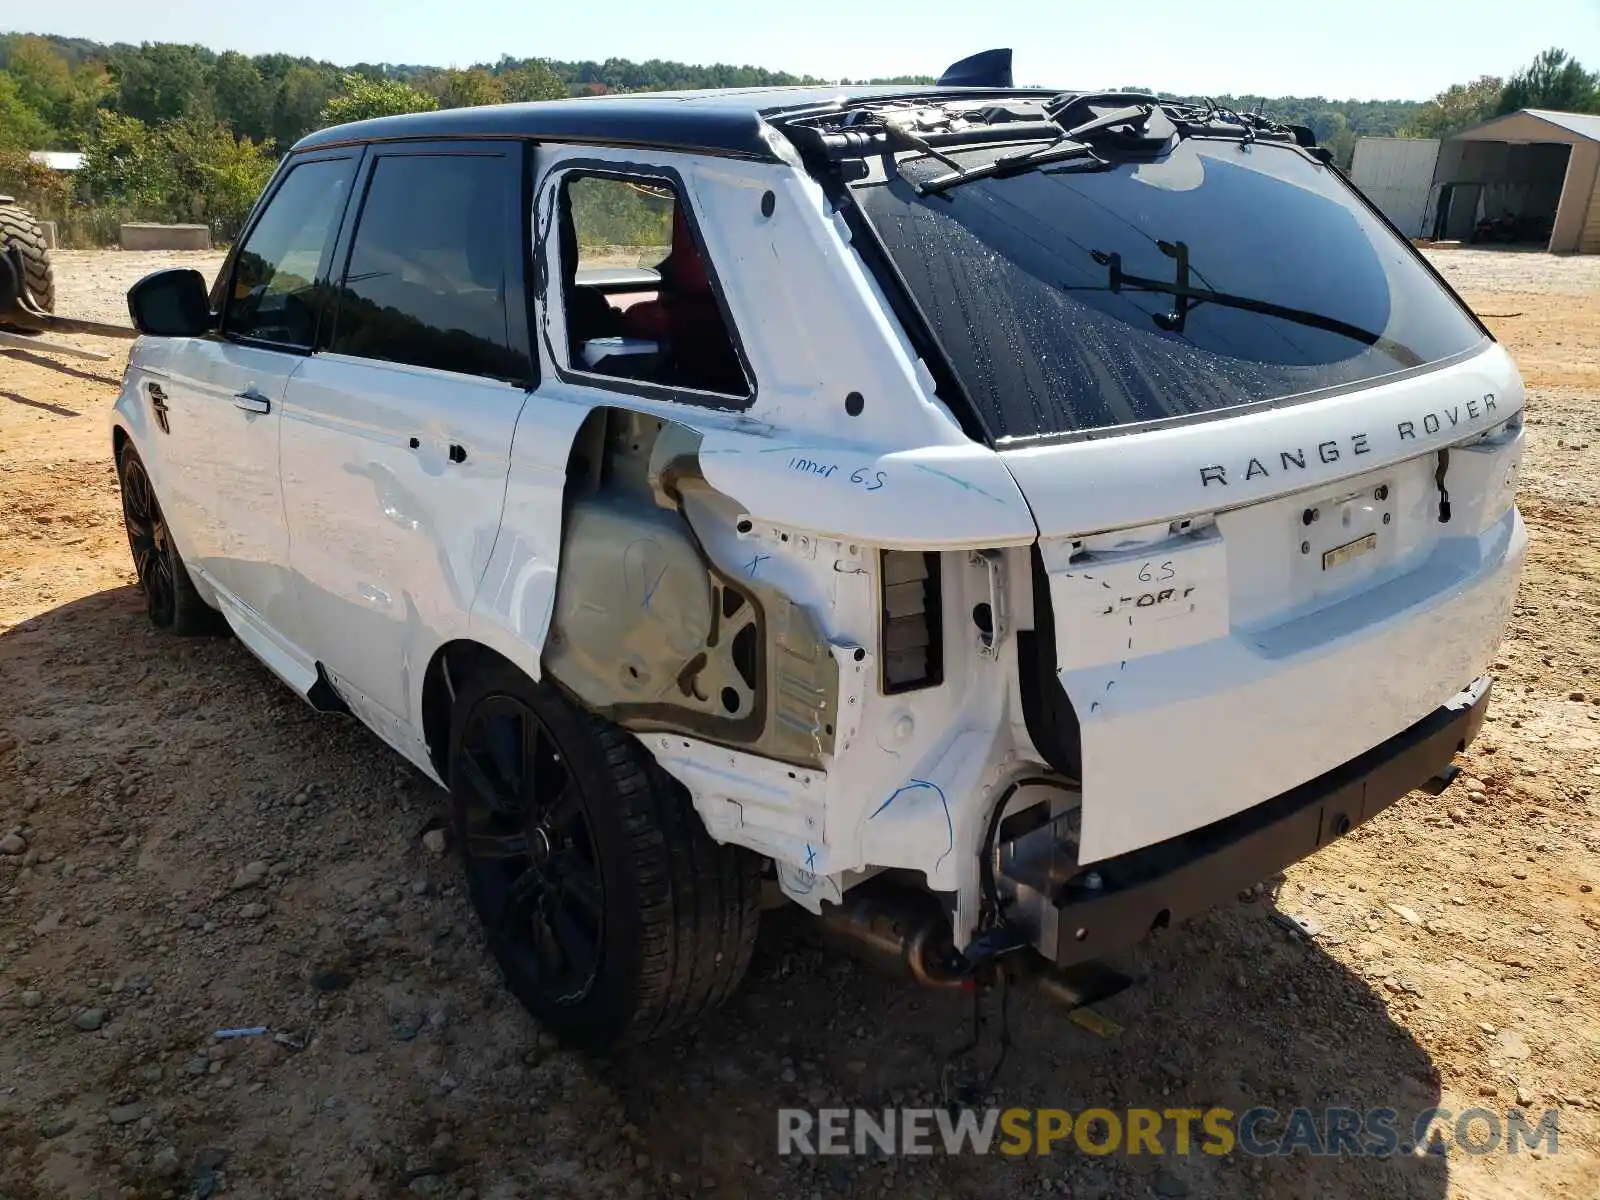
<point x="811" y="857"/>
<point x="811" y="466"/>
<point x="634" y="564"/>
<point x="756" y="562"/>
<point x="650" y="595"/>
<point x="962" y="483"/>
<point x="917" y="785"/>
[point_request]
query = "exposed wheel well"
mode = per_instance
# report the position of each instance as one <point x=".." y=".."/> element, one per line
<point x="449" y="667"/>
<point x="119" y="439"/>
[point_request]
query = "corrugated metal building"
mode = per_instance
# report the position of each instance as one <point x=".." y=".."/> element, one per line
<point x="1534" y="171"/>
<point x="1397" y="176"/>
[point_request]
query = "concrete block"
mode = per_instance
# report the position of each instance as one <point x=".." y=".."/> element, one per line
<point x="48" y="228"/>
<point x="140" y="236"/>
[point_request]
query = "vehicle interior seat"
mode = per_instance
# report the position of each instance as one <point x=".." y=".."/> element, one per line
<point x="686" y="319"/>
<point x="589" y="315"/>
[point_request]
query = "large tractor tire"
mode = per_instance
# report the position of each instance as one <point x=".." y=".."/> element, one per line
<point x="22" y="241"/>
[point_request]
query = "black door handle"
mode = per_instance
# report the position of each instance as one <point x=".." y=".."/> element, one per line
<point x="458" y="453"/>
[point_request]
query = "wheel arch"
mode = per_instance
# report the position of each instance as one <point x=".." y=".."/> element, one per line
<point x="447" y="668"/>
<point x="121" y="438"/>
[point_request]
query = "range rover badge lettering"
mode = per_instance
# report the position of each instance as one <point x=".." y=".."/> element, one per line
<point x="1298" y="458"/>
<point x="1334" y="450"/>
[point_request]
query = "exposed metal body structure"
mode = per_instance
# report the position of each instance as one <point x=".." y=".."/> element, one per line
<point x="723" y="577"/>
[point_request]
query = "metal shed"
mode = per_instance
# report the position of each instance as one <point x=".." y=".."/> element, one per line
<point x="1397" y="175"/>
<point x="1533" y="171"/>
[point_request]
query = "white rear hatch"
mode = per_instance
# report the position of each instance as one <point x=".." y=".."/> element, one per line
<point x="1274" y="627"/>
<point x="1226" y="388"/>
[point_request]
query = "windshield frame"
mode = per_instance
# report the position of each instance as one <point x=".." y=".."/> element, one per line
<point x="906" y="306"/>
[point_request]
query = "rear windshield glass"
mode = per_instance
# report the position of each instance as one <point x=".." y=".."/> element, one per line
<point x="1052" y="291"/>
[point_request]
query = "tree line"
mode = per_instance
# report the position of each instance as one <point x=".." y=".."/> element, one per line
<point x="1554" y="80"/>
<point x="181" y="132"/>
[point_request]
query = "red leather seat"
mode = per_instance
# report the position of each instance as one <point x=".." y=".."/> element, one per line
<point x="687" y="320"/>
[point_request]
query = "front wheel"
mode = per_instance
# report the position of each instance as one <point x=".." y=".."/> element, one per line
<point x="170" y="596"/>
<point x="612" y="913"/>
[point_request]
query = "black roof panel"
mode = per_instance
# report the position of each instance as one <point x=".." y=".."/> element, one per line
<point x="727" y="122"/>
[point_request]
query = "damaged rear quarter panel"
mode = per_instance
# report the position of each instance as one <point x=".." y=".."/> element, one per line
<point x="801" y="495"/>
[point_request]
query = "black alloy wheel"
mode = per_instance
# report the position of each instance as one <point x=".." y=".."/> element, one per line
<point x="531" y="857"/>
<point x="613" y="915"/>
<point x="149" y="541"/>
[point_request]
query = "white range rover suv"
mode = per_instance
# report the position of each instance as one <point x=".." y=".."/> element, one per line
<point x="1002" y="521"/>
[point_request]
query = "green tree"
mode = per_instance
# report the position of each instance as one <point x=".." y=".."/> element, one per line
<point x="191" y="169"/>
<point x="215" y="177"/>
<point x="48" y="193"/>
<point x="162" y="81"/>
<point x="92" y="85"/>
<point x="125" y="161"/>
<point x="303" y="93"/>
<point x="464" y="89"/>
<point x="64" y="97"/>
<point x="1340" y="141"/>
<point x="43" y="80"/>
<point x="360" y="99"/>
<point x="21" y="128"/>
<point x="533" y="80"/>
<point x="241" y="97"/>
<point x="1553" y="80"/>
<point x="1458" y="107"/>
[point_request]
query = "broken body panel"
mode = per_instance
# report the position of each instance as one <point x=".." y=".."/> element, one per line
<point x="1251" y="665"/>
<point x="865" y="641"/>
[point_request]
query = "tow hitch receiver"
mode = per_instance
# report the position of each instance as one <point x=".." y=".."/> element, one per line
<point x="901" y="928"/>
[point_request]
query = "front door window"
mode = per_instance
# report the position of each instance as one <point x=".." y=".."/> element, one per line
<point x="273" y="297"/>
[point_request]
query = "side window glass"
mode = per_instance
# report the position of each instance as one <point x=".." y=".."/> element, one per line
<point x="273" y="297"/>
<point x="638" y="295"/>
<point x="429" y="267"/>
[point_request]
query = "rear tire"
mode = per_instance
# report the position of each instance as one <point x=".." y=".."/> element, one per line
<point x="19" y="229"/>
<point x="613" y="915"/>
<point x="171" y="600"/>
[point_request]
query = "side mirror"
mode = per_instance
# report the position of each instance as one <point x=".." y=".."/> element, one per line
<point x="171" y="303"/>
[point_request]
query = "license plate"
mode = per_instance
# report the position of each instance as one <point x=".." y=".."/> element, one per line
<point x="1343" y="554"/>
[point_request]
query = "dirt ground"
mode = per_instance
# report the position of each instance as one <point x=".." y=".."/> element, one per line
<point x="1455" y="958"/>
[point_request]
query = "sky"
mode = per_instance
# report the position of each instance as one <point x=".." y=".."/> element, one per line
<point x="1342" y="49"/>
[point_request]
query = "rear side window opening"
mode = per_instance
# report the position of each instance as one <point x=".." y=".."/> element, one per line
<point x="1052" y="291"/>
<point x="639" y="295"/>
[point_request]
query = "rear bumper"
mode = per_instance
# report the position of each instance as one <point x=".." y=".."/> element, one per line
<point x="1185" y="875"/>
